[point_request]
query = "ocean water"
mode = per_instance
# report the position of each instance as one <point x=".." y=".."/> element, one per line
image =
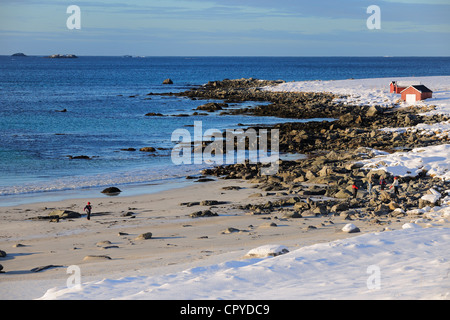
<point x="106" y="101"/>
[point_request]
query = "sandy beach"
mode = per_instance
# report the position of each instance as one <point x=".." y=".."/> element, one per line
<point x="178" y="241"/>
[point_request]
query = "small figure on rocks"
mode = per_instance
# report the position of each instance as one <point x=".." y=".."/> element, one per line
<point x="355" y="191"/>
<point x="371" y="182"/>
<point x="382" y="182"/>
<point x="88" y="210"/>
<point x="395" y="186"/>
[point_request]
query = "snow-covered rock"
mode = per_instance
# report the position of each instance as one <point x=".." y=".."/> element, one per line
<point x="350" y="228"/>
<point x="267" y="251"/>
<point x="433" y="196"/>
<point x="435" y="160"/>
<point x="411" y="225"/>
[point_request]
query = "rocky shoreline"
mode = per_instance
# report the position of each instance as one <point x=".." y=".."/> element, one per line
<point x="332" y="147"/>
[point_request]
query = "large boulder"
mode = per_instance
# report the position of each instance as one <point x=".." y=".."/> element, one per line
<point x="168" y="81"/>
<point x="267" y="251"/>
<point x="430" y="199"/>
<point x="350" y="228"/>
<point x="343" y="194"/>
<point x="339" y="207"/>
<point x="64" y="214"/>
<point x="373" y="111"/>
<point x="111" y="191"/>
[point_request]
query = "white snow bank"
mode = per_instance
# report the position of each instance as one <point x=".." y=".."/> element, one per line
<point x="441" y="130"/>
<point x="402" y="264"/>
<point x="435" y="160"/>
<point x="375" y="91"/>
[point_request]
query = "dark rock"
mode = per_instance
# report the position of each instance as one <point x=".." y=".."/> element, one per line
<point x="154" y="114"/>
<point x="180" y="115"/>
<point x="111" y="191"/>
<point x="373" y="111"/>
<point x="205" y="213"/>
<point x="168" y="81"/>
<point x="144" y="236"/>
<point x="339" y="207"/>
<point x="79" y="157"/>
<point x="231" y="188"/>
<point x="64" y="214"/>
<point x="190" y="204"/>
<point x="292" y="215"/>
<point x="204" y="180"/>
<point x="230" y="230"/>
<point x="212" y="106"/>
<point x="147" y="149"/>
<point x="96" y="257"/>
<point x="210" y="202"/>
<point x="39" y="269"/>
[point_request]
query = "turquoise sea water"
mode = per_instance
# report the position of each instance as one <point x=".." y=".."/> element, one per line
<point x="106" y="101"/>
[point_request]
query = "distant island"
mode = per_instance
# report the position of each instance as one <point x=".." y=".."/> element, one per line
<point x="62" y="56"/>
<point x="19" y="54"/>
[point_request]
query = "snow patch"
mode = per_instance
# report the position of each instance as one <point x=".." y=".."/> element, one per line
<point x="342" y="268"/>
<point x="435" y="160"/>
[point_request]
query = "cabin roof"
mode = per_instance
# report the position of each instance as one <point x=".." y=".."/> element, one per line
<point x="421" y="88"/>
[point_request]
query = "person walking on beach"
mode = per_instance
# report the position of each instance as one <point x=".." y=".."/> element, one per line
<point x="88" y="210"/>
<point x="395" y="186"/>
<point x="382" y="182"/>
<point x="355" y="191"/>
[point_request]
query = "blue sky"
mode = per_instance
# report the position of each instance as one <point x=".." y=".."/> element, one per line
<point x="226" y="28"/>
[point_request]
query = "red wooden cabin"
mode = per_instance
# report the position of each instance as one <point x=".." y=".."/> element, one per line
<point x="395" y="88"/>
<point x="416" y="93"/>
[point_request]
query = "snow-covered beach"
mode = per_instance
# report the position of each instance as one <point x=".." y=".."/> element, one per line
<point x="403" y="264"/>
<point x="408" y="259"/>
<point x="376" y="91"/>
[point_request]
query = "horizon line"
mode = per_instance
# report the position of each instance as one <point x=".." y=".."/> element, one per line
<point x="234" y="56"/>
